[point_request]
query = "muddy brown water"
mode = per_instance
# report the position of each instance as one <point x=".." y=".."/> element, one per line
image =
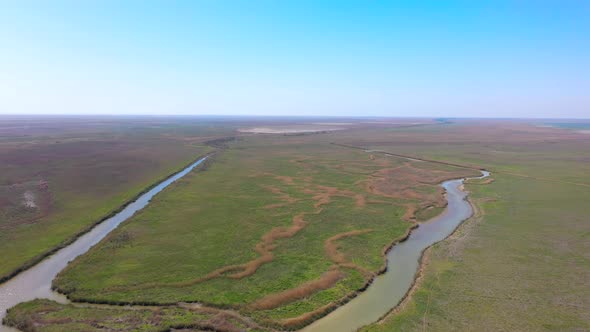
<point x="388" y="289"/>
<point x="36" y="281"/>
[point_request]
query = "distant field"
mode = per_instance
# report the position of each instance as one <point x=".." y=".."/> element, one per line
<point x="60" y="176"/>
<point x="570" y="125"/>
<point x="281" y="228"/>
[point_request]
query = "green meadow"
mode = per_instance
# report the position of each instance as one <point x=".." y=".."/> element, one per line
<point x="280" y="229"/>
<point x="522" y="264"/>
<point x="255" y="227"/>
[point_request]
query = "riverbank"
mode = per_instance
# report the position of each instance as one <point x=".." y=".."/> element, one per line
<point x="425" y="258"/>
<point x="391" y="288"/>
<point x="74" y="237"/>
<point x="490" y="276"/>
<point x="36" y="282"/>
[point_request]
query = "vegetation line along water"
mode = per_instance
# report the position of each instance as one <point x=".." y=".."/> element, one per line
<point x="87" y="229"/>
<point x="36" y="281"/>
<point x="403" y="260"/>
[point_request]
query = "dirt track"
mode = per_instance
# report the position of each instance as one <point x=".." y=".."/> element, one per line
<point x="466" y="166"/>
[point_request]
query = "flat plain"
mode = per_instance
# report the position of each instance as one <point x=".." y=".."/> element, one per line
<point x="279" y="229"/>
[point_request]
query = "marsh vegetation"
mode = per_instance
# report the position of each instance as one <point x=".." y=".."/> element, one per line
<point x="282" y="229"/>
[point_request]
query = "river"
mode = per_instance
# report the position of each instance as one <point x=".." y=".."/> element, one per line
<point x="36" y="281"/>
<point x="388" y="289"/>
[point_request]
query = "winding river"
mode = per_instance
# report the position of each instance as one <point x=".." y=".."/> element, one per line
<point x="36" y="281"/>
<point x="384" y="294"/>
<point x="388" y="289"/>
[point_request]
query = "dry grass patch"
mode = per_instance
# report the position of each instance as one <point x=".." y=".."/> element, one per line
<point x="327" y="280"/>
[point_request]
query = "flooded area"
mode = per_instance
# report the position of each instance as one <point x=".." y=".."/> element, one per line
<point x="403" y="260"/>
<point x="36" y="281"/>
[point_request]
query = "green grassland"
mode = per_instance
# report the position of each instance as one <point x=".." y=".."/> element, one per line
<point x="77" y="173"/>
<point x="279" y="228"/>
<point x="523" y="264"/>
<point x="214" y="219"/>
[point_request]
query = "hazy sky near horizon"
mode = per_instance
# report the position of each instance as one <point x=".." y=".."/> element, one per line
<point x="379" y="58"/>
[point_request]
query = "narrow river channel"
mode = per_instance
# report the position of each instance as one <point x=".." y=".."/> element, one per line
<point x="36" y="281"/>
<point x="403" y="260"/>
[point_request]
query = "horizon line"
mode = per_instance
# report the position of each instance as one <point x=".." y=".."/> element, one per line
<point x="284" y="116"/>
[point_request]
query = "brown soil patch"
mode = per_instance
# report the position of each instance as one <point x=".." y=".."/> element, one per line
<point x="323" y="194"/>
<point x="285" y="179"/>
<point x="283" y="196"/>
<point x="409" y="183"/>
<point x="326" y="281"/>
<point x="360" y="200"/>
<point x="222" y="322"/>
<point x="307" y="317"/>
<point x="331" y="249"/>
<point x="410" y="214"/>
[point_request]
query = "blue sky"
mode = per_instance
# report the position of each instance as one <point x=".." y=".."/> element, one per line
<point x="380" y="58"/>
